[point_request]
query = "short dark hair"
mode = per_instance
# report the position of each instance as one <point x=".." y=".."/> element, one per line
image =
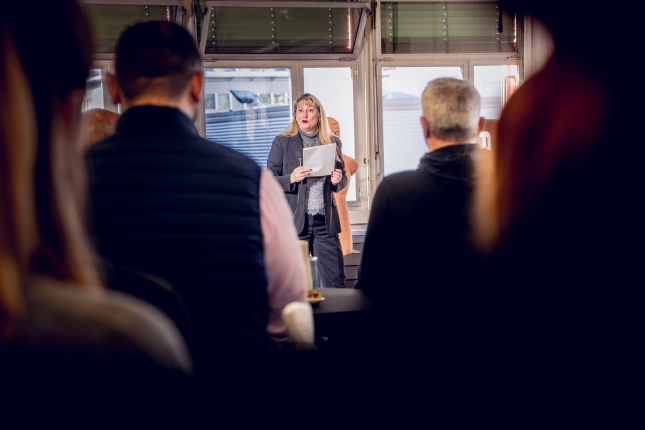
<point x="155" y="56"/>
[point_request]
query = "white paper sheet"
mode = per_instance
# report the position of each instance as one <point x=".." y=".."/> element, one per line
<point x="320" y="159"/>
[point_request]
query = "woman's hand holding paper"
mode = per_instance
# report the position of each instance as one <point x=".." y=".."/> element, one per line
<point x="336" y="176"/>
<point x="299" y="173"/>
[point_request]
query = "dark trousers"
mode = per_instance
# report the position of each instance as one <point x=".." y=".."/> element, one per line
<point x="328" y="250"/>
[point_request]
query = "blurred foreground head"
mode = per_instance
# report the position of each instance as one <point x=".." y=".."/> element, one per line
<point x="41" y="226"/>
<point x="554" y="126"/>
<point x="599" y="33"/>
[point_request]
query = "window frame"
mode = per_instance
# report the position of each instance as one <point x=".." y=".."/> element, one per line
<point x="296" y="69"/>
<point x="366" y="62"/>
<point x="467" y="61"/>
<point x="176" y="3"/>
<point x="106" y="67"/>
<point x="365" y="13"/>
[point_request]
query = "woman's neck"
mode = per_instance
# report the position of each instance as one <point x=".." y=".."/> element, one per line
<point x="309" y="135"/>
<point x="309" y="140"/>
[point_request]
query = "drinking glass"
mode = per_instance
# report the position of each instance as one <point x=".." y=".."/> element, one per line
<point x="316" y="280"/>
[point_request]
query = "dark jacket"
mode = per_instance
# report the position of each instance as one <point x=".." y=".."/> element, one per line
<point x="167" y="202"/>
<point x="285" y="155"/>
<point x="415" y="258"/>
<point x="419" y="232"/>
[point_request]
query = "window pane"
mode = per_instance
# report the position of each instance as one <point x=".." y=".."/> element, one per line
<point x="223" y="102"/>
<point x="338" y="101"/>
<point x="495" y="84"/>
<point x="445" y="27"/>
<point x="248" y="124"/>
<point x="209" y="101"/>
<point x="94" y="91"/>
<point x="403" y="143"/>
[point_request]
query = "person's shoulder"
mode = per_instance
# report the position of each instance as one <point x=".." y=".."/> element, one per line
<point x="100" y="352"/>
<point x="106" y="324"/>
<point x="112" y="145"/>
<point x="227" y="154"/>
<point x="407" y="185"/>
<point x="403" y="177"/>
<point x="350" y="163"/>
<point x="282" y="138"/>
<point x="147" y="325"/>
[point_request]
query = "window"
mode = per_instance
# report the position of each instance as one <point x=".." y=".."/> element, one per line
<point x="368" y="62"/>
<point x="403" y="143"/>
<point x="109" y="19"/>
<point x="283" y="29"/>
<point x="423" y="40"/>
<point x="209" y="101"/>
<point x="338" y="101"/>
<point x="94" y="91"/>
<point x="248" y="124"/>
<point x="223" y="102"/>
<point x="495" y="85"/>
<point x="402" y="87"/>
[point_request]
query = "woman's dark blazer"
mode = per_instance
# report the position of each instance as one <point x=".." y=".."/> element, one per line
<point x="286" y="151"/>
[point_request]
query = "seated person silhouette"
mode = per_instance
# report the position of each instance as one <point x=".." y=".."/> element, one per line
<point x="200" y="215"/>
<point x="416" y="252"/>
<point x="72" y="354"/>
<point x="97" y="125"/>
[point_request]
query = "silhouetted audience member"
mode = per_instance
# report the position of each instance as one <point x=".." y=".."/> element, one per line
<point x="205" y="218"/>
<point x="419" y="231"/>
<point x="559" y="213"/>
<point x="98" y="124"/>
<point x="72" y="355"/>
<point x="418" y="245"/>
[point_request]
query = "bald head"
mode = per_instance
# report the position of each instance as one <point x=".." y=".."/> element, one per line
<point x="334" y="126"/>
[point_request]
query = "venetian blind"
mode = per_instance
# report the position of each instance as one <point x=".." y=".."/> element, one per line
<point x="445" y="27"/>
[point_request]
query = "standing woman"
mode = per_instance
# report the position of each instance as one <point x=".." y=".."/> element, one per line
<point x="315" y="213"/>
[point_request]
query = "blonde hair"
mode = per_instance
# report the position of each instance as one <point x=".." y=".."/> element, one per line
<point x="17" y="161"/>
<point x="325" y="135"/>
<point x="41" y="221"/>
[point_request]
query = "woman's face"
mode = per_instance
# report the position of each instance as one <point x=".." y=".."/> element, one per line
<point x="307" y="118"/>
